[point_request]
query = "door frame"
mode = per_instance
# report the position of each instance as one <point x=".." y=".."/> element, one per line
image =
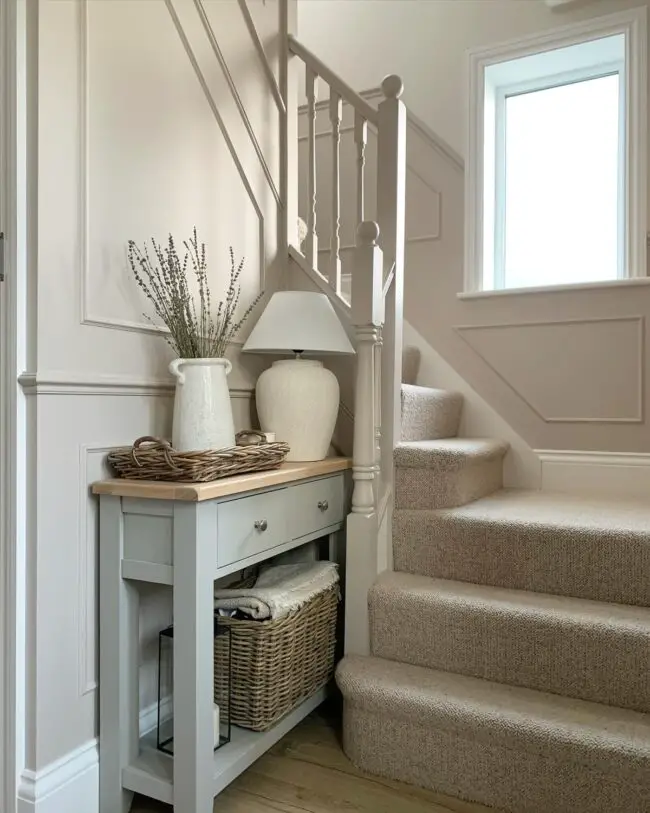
<point x="11" y="538"/>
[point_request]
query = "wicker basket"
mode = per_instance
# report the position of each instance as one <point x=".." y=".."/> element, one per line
<point x="155" y="459"/>
<point x="277" y="664"/>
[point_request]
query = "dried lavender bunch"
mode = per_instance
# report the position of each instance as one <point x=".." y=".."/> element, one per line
<point x="194" y="331"/>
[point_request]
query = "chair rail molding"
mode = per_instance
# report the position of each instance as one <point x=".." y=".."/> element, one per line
<point x="53" y="382"/>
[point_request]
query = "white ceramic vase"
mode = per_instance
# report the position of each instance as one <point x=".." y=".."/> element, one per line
<point x="202" y="410"/>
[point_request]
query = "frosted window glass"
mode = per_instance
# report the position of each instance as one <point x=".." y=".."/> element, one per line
<point x="562" y="184"/>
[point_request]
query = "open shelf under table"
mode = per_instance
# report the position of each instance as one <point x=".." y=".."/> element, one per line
<point x="152" y="773"/>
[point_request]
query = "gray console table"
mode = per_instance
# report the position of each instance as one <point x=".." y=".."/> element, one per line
<point x="186" y="536"/>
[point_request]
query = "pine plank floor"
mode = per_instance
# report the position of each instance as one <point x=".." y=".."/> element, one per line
<point x="307" y="772"/>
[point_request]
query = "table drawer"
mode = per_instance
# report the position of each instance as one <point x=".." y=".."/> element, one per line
<point x="315" y="505"/>
<point x="251" y="525"/>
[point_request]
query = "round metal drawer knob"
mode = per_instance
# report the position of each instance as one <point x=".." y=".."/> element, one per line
<point x="323" y="505"/>
<point x="261" y="524"/>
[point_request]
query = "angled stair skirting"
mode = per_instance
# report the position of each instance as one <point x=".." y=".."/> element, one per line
<point x="509" y="649"/>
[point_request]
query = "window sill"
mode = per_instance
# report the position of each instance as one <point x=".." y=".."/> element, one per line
<point x="552" y="289"/>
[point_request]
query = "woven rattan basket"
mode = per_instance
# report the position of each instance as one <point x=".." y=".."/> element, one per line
<point x="155" y="459"/>
<point x="277" y="664"/>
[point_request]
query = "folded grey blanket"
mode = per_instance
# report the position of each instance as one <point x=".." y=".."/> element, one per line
<point x="279" y="590"/>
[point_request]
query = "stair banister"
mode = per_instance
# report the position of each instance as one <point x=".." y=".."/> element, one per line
<point x="391" y="205"/>
<point x="362" y="550"/>
<point x="367" y="318"/>
<point x="333" y="80"/>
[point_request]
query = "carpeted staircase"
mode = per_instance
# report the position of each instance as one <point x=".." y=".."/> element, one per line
<point x="511" y="646"/>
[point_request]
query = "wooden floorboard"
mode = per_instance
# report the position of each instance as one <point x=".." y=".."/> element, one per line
<point x="307" y="772"/>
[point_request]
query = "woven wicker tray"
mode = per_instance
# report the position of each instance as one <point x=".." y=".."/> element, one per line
<point x="155" y="459"/>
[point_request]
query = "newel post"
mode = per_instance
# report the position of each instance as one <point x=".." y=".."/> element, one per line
<point x="367" y="317"/>
<point x="362" y="550"/>
<point x="391" y="208"/>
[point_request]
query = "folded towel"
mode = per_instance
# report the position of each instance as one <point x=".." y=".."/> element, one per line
<point x="279" y="590"/>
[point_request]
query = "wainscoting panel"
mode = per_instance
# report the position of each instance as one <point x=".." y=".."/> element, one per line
<point x="588" y="370"/>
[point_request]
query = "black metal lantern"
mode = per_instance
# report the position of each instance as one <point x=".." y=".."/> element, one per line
<point x="222" y="687"/>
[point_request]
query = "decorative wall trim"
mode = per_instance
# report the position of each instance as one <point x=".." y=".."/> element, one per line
<point x="216" y="50"/>
<point x="616" y="474"/>
<point x="273" y="84"/>
<point x="86" y="614"/>
<point x="69" y="783"/>
<point x="52" y="382"/>
<point x="87" y="318"/>
<point x="638" y="418"/>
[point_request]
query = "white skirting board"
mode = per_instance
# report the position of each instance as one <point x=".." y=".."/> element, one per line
<point x="614" y="474"/>
<point x="71" y="784"/>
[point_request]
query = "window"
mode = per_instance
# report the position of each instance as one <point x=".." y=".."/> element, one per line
<point x="556" y="163"/>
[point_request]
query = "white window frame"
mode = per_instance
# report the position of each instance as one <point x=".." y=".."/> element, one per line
<point x="633" y="187"/>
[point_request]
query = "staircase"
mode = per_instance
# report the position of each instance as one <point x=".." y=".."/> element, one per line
<point x="510" y="649"/>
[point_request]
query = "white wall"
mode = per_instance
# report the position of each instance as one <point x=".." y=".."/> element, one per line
<point x="424" y="41"/>
<point x="129" y="143"/>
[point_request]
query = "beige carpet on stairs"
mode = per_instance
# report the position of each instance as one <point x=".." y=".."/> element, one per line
<point x="521" y="750"/>
<point x="584" y="649"/>
<point x="511" y="649"/>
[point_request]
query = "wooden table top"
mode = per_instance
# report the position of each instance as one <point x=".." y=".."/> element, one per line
<point x="197" y="492"/>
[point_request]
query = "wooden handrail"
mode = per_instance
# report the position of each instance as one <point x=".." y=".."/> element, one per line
<point x="333" y="80"/>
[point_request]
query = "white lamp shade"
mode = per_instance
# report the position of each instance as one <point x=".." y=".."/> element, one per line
<point x="299" y="321"/>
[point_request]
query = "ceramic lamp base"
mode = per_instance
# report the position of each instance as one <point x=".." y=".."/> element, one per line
<point x="298" y="399"/>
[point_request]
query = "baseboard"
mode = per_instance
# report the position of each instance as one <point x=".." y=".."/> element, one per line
<point x="71" y="784"/>
<point x="614" y="474"/>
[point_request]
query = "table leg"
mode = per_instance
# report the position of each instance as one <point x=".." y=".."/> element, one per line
<point x="195" y="558"/>
<point x="118" y="670"/>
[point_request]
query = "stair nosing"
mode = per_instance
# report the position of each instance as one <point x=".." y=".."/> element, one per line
<point x="539" y="604"/>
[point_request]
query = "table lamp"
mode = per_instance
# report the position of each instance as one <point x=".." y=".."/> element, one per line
<point x="298" y="398"/>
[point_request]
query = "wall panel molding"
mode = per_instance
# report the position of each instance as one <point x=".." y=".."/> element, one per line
<point x="218" y="53"/>
<point x="87" y="316"/>
<point x="465" y="331"/>
<point x="87" y="558"/>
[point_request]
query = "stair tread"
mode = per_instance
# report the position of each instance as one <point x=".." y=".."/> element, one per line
<point x="511" y="507"/>
<point x="451" y="451"/>
<point x="439" y="698"/>
<point x="502" y="599"/>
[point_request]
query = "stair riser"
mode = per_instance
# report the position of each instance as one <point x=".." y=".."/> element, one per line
<point x="546" y="652"/>
<point x="429" y="488"/>
<point x="480" y="770"/>
<point x="560" y="561"/>
<point x="426" y="416"/>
